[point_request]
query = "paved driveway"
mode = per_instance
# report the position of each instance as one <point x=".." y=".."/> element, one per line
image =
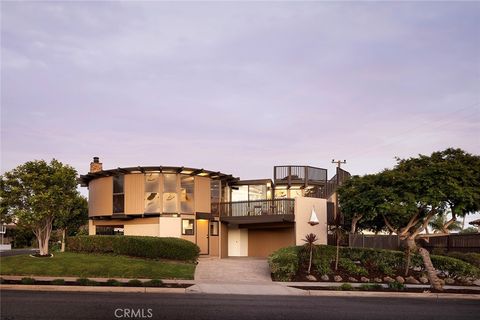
<point x="237" y="276"/>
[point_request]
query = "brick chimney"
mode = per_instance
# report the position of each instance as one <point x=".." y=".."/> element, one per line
<point x="96" y="165"/>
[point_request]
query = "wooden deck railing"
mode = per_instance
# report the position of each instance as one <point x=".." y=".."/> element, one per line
<point x="254" y="208"/>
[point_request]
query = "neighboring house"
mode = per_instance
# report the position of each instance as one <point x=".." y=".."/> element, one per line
<point x="223" y="215"/>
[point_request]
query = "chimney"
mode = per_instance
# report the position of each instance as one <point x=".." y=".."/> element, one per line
<point x="96" y="165"/>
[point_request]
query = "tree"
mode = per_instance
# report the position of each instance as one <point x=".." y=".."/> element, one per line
<point x="36" y="193"/>
<point x="440" y="221"/>
<point x="469" y="230"/>
<point x="416" y="191"/>
<point x="310" y="240"/>
<point x="72" y="217"/>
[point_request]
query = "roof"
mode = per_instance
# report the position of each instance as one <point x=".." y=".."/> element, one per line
<point x="84" y="180"/>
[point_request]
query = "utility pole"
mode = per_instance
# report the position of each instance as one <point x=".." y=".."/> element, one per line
<point x="339" y="162"/>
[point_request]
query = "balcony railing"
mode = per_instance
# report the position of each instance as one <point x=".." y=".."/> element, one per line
<point x="254" y="208"/>
<point x="304" y="175"/>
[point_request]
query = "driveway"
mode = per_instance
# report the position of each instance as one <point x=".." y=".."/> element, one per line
<point x="240" y="275"/>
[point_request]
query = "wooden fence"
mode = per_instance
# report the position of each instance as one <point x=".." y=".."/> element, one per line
<point x="452" y="242"/>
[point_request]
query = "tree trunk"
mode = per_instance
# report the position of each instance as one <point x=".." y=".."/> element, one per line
<point x="338" y="252"/>
<point x="310" y="261"/>
<point x="411" y="246"/>
<point x="64" y="232"/>
<point x="43" y="235"/>
<point x="432" y="275"/>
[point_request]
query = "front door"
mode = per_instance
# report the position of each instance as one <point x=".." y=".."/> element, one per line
<point x="202" y="235"/>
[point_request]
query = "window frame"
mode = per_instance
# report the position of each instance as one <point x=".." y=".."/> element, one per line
<point x="193" y="227"/>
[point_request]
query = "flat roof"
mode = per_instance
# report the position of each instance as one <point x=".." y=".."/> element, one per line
<point x="84" y="180"/>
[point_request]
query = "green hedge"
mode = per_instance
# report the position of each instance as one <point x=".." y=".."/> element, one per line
<point x="145" y="247"/>
<point x="284" y="263"/>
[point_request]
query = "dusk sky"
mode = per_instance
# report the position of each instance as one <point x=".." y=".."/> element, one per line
<point x="238" y="87"/>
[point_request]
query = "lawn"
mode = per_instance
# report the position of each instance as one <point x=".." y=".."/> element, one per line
<point x="70" y="264"/>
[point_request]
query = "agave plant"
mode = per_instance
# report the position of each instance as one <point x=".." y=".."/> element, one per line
<point x="310" y="240"/>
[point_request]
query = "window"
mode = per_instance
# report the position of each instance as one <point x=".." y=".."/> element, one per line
<point x="186" y="195"/>
<point x="257" y="192"/>
<point x="214" y="228"/>
<point x="187" y="227"/>
<point x="215" y="191"/>
<point x="170" y="193"/>
<point x="118" y="195"/>
<point x="240" y="193"/>
<point x="109" y="230"/>
<point x="152" y="193"/>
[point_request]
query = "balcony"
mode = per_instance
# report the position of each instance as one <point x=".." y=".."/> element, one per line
<point x="299" y="175"/>
<point x="258" y="211"/>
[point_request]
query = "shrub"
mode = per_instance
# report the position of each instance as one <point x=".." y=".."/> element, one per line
<point x="2" y="280"/>
<point x="322" y="265"/>
<point x="454" y="268"/>
<point x="346" y="287"/>
<point x="135" y="283"/>
<point x="113" y="283"/>
<point x="58" y="282"/>
<point x="136" y="246"/>
<point x="470" y="257"/>
<point x="153" y="283"/>
<point x="350" y="267"/>
<point x="370" y="286"/>
<point x="284" y="263"/>
<point x="397" y="286"/>
<point x="27" y="281"/>
<point x="86" y="282"/>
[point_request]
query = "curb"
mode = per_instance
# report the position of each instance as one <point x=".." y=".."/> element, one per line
<point x="26" y="287"/>
<point x="363" y="294"/>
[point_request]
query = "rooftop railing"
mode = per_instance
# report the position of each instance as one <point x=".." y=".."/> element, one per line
<point x="304" y="175"/>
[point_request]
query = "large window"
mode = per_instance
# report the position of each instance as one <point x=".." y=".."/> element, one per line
<point x="170" y="193"/>
<point x="257" y="192"/>
<point x="240" y="193"/>
<point x="109" y="230"/>
<point x="186" y="194"/>
<point x="214" y="228"/>
<point x="187" y="227"/>
<point x="153" y="201"/>
<point x="216" y="191"/>
<point x="118" y="195"/>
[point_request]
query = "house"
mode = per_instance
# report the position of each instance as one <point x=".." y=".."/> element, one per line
<point x="223" y="215"/>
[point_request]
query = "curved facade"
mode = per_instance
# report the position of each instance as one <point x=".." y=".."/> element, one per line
<point x="223" y="215"/>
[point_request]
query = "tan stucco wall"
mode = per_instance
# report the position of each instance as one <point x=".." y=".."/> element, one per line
<point x="134" y="193"/>
<point x="214" y="245"/>
<point x="202" y="194"/>
<point x="171" y="227"/>
<point x="91" y="228"/>
<point x="142" y="227"/>
<point x="262" y="242"/>
<point x="100" y="197"/>
<point x="303" y="210"/>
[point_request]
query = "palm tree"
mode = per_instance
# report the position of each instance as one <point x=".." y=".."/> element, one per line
<point x="439" y="222"/>
<point x="310" y="240"/>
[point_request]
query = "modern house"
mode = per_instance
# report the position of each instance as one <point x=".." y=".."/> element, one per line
<point x="223" y="215"/>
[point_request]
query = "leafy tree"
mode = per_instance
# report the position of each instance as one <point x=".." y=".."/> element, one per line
<point x="440" y="221"/>
<point x="72" y="217"/>
<point x="310" y="240"/>
<point x="469" y="230"/>
<point x="35" y="194"/>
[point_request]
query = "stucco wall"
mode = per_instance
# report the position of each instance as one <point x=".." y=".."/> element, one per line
<point x="142" y="227"/>
<point x="223" y="240"/>
<point x="170" y="227"/>
<point x="202" y="194"/>
<point x="303" y="210"/>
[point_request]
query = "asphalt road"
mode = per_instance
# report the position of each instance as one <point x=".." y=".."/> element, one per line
<point x="17" y="305"/>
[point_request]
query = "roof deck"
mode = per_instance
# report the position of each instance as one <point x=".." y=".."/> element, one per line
<point x="299" y="175"/>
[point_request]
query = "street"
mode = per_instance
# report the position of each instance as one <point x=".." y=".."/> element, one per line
<point x="17" y="305"/>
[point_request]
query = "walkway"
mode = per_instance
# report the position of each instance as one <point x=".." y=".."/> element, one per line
<point x="237" y="276"/>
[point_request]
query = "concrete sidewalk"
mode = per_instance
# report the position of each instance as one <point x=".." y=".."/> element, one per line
<point x="237" y="276"/>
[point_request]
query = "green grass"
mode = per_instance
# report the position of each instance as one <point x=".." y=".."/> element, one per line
<point x="84" y="265"/>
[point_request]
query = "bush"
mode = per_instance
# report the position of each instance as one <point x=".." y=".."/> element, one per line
<point x="86" y="282"/>
<point x="470" y="257"/>
<point x="2" y="280"/>
<point x="135" y="283"/>
<point x="454" y="268"/>
<point x="113" y="283"/>
<point x="346" y="287"/>
<point x="153" y="283"/>
<point x="397" y="286"/>
<point x="136" y="246"/>
<point x="350" y="267"/>
<point x="284" y="263"/>
<point x="27" y="281"/>
<point x="58" y="282"/>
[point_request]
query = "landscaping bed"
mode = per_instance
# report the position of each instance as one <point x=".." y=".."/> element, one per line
<point x="366" y="266"/>
<point x="85" y="265"/>
<point x="155" y="283"/>
<point x="380" y="288"/>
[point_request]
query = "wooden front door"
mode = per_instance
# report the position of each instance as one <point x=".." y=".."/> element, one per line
<point x="202" y="235"/>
